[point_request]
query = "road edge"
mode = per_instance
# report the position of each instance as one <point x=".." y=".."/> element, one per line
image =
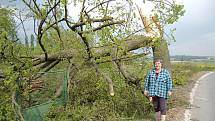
<point x="187" y="113"/>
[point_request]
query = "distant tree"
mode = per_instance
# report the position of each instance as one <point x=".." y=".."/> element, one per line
<point x="7" y="61"/>
<point x="32" y="41"/>
<point x="7" y="24"/>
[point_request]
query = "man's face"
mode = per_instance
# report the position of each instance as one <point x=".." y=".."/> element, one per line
<point x="158" y="65"/>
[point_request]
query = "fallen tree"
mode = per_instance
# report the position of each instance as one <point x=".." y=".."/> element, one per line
<point x="98" y="34"/>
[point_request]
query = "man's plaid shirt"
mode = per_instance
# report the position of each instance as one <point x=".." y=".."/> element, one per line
<point x="160" y="86"/>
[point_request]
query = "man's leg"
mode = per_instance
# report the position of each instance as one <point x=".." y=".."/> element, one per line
<point x="163" y="117"/>
<point x="158" y="116"/>
<point x="163" y="108"/>
<point x="157" y="108"/>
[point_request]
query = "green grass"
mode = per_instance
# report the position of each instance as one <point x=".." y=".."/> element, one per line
<point x="89" y="98"/>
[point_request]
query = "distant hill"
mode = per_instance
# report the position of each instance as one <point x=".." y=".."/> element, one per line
<point x="192" y="58"/>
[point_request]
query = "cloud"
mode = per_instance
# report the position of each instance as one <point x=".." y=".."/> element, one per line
<point x="74" y="10"/>
<point x="12" y="4"/>
<point x="202" y="46"/>
<point x="195" y="33"/>
<point x="210" y="36"/>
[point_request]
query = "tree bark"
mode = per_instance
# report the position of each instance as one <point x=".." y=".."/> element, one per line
<point x="161" y="51"/>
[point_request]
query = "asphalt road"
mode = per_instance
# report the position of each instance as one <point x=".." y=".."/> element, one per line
<point x="203" y="107"/>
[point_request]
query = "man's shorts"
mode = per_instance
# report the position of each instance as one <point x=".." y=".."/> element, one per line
<point x="160" y="104"/>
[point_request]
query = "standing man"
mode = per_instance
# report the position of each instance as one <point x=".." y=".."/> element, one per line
<point x="158" y="86"/>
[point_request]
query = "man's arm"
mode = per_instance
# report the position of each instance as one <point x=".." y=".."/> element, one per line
<point x="169" y="84"/>
<point x="146" y="84"/>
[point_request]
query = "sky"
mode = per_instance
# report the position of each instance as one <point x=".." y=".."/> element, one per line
<point x="195" y="31"/>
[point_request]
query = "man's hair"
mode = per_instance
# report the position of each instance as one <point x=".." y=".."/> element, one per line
<point x="159" y="60"/>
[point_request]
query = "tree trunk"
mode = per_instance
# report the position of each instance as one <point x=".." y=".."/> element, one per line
<point x="161" y="51"/>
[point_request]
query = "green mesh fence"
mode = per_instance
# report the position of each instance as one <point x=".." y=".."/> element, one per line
<point x="36" y="112"/>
